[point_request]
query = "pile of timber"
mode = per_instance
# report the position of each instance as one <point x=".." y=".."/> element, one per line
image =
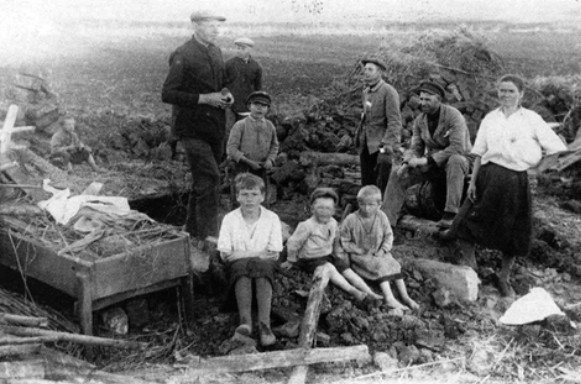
<point x="24" y="353"/>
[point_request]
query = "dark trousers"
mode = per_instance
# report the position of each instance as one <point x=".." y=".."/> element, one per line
<point x="203" y="158"/>
<point x="375" y="168"/>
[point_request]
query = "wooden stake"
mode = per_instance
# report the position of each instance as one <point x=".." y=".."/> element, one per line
<point x="6" y="132"/>
<point x="310" y="320"/>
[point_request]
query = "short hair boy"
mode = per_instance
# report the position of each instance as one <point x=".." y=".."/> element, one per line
<point x="67" y="149"/>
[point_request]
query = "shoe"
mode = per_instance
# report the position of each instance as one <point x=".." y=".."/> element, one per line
<point x="243" y="330"/>
<point x="446" y="235"/>
<point x="267" y="338"/>
<point x="447" y="220"/>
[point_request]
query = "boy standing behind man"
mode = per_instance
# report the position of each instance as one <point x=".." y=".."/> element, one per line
<point x="243" y="76"/>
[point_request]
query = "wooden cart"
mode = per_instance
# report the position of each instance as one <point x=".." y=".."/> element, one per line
<point x="99" y="282"/>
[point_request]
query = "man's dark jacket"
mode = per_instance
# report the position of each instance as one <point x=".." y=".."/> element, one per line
<point x="194" y="70"/>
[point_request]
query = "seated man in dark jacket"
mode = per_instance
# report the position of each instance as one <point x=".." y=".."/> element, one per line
<point x="438" y="149"/>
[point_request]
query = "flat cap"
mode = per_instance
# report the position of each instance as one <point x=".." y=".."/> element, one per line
<point x="205" y="15"/>
<point x="375" y="61"/>
<point x="259" y="97"/>
<point x="244" y="41"/>
<point x="432" y="88"/>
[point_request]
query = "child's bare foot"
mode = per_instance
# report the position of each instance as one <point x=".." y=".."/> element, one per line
<point x="394" y="304"/>
<point x="375" y="296"/>
<point x="412" y="304"/>
<point x="359" y="295"/>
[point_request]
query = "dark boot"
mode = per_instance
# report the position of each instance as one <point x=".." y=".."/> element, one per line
<point x="504" y="276"/>
<point x="466" y="254"/>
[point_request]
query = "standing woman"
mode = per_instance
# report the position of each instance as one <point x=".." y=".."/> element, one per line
<point x="498" y="213"/>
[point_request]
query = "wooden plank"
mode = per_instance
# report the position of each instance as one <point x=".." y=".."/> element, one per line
<point x="140" y="268"/>
<point x="122" y="296"/>
<point x="72" y="337"/>
<point x="310" y="320"/>
<point x="320" y="158"/>
<point x="275" y="359"/>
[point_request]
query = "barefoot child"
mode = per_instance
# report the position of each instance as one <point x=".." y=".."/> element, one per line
<point x="249" y="242"/>
<point x="314" y="243"/>
<point x="366" y="237"/>
<point x="67" y="148"/>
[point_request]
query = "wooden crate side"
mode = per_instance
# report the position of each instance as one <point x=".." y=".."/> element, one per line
<point x="140" y="268"/>
<point x="37" y="261"/>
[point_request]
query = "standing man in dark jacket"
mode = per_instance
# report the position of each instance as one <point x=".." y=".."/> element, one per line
<point x="379" y="136"/>
<point x="243" y="76"/>
<point x="193" y="85"/>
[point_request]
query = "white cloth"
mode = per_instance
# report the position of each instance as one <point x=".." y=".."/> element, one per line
<point x="515" y="142"/>
<point x="536" y="305"/>
<point x="62" y="207"/>
<point x="237" y="235"/>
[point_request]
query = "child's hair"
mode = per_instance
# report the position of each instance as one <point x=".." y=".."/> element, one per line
<point x="247" y="180"/>
<point x="325" y="193"/>
<point x="369" y="191"/>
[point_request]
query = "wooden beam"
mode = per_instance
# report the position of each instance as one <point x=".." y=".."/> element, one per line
<point x="320" y="158"/>
<point x="310" y="320"/>
<point x="72" y="337"/>
<point x="268" y="360"/>
<point x="23" y="320"/>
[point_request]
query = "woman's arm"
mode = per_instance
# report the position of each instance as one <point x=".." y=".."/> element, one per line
<point x="472" y="187"/>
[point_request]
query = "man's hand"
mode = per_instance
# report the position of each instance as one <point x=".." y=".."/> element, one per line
<point x="471" y="193"/>
<point x="418" y="162"/>
<point x="255" y="165"/>
<point x="267" y="164"/>
<point x="215" y="99"/>
<point x="402" y="171"/>
<point x="287" y="265"/>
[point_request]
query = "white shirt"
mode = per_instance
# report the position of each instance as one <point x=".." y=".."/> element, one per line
<point x="517" y="141"/>
<point x="237" y="235"/>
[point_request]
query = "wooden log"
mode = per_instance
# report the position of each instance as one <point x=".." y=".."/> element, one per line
<point x="268" y="360"/>
<point x="72" y="337"/>
<point x="23" y="320"/>
<point x="310" y="320"/>
<point x="320" y="158"/>
<point x="33" y="369"/>
<point x="16" y="350"/>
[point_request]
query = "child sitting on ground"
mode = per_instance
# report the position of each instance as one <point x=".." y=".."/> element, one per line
<point x="314" y="243"/>
<point x="66" y="148"/>
<point x="249" y="242"/>
<point x="366" y="240"/>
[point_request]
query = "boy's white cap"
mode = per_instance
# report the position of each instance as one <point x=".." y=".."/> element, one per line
<point x="244" y="41"/>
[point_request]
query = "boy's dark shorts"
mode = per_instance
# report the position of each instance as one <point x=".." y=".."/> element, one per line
<point x="309" y="265"/>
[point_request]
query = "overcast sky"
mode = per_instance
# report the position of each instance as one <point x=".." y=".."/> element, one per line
<point x="297" y="10"/>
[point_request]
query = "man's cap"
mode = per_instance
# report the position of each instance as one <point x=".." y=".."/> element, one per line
<point x="432" y="88"/>
<point x="259" y="97"/>
<point x="375" y="61"/>
<point x="244" y="41"/>
<point x="323" y="192"/>
<point x="205" y="15"/>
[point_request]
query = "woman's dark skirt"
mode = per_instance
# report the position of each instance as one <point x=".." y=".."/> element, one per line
<point x="253" y="268"/>
<point x="501" y="216"/>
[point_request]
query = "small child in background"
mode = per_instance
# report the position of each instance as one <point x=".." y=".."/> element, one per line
<point x="252" y="143"/>
<point x="66" y="148"/>
<point x="366" y="239"/>
<point x="315" y="241"/>
<point x="249" y="242"/>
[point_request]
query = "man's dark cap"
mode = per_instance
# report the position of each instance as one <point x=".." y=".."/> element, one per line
<point x="205" y="15"/>
<point x="375" y="61"/>
<point x="432" y="88"/>
<point x="259" y="97"/>
<point x="324" y="192"/>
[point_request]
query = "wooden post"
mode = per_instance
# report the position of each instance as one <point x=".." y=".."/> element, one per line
<point x="85" y="303"/>
<point x="6" y="132"/>
<point x="310" y="320"/>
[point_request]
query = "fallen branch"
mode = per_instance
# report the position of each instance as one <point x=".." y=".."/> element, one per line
<point x="6" y="318"/>
<point x="267" y="360"/>
<point x="72" y="337"/>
